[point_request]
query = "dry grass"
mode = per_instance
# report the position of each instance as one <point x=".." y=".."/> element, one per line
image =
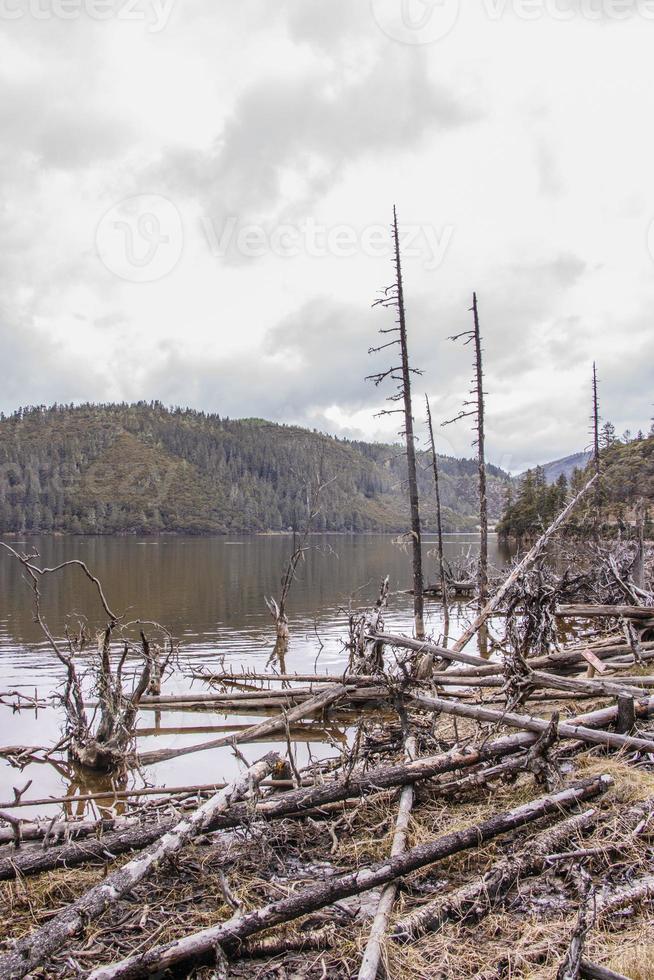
<point x="525" y="936"/>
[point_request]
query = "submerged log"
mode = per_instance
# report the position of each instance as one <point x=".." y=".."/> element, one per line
<point x="200" y="947"/>
<point x="322" y="700"/>
<point x="32" y="950"/>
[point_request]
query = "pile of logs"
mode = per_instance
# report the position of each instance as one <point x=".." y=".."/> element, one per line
<point x="538" y="735"/>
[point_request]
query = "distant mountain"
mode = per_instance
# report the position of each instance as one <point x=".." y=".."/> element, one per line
<point x="143" y="468"/>
<point x="565" y="466"/>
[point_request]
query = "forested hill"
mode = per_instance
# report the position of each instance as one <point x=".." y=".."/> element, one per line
<point x="143" y="468"/>
<point x="627" y="467"/>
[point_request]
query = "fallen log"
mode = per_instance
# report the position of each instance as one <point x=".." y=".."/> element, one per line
<point x="478" y="897"/>
<point x="327" y="697"/>
<point x="373" y="951"/>
<point x="32" y="950"/>
<point x="431" y="649"/>
<point x="296" y="802"/>
<point x="589" y="611"/>
<point x="529" y="723"/>
<point x="200" y="947"/>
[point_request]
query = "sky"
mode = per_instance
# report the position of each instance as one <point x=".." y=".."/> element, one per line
<point x="196" y="196"/>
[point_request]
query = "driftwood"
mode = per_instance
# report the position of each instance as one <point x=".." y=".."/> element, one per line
<point x="267" y="727"/>
<point x="478" y="897"/>
<point x="587" y="611"/>
<point x="373" y="951"/>
<point x="31" y="951"/>
<point x="529" y="723"/>
<point x="528" y="559"/>
<point x="295" y="802"/>
<point x="200" y="947"/>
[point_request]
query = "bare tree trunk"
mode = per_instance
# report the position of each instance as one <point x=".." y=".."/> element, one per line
<point x="481" y="461"/>
<point x="416" y="543"/>
<point x="439" y="521"/>
<point x="200" y="947"/>
<point x="596" y="451"/>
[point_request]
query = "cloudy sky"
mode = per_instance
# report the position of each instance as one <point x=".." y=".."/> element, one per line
<point x="195" y="198"/>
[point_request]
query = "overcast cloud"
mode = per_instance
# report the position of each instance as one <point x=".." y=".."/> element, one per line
<point x="195" y="198"/>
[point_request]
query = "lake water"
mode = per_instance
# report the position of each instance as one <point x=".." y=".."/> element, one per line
<point x="209" y="592"/>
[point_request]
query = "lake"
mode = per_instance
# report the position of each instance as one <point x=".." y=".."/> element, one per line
<point x="209" y="592"/>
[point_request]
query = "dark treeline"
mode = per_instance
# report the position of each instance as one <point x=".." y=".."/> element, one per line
<point x="627" y="476"/>
<point x="143" y="468"/>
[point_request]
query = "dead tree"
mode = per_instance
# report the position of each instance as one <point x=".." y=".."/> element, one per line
<point x="477" y="412"/>
<point x="439" y="521"/>
<point x="596" y="449"/>
<point x="393" y="297"/>
<point x="101" y="745"/>
<point x="277" y="607"/>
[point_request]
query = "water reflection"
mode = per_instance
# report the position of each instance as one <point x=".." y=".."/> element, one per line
<point x="209" y="593"/>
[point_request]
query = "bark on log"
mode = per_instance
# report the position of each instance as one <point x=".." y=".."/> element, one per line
<point x="32" y="950"/>
<point x="478" y="897"/>
<point x="529" y="723"/>
<point x="589" y="611"/>
<point x="199" y="947"/>
<point x="424" y="646"/>
<point x="373" y="951"/>
<point x="267" y="727"/>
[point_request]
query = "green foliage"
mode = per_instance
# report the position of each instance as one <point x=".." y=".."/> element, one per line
<point x="143" y="468"/>
<point x="627" y="476"/>
<point x="535" y="506"/>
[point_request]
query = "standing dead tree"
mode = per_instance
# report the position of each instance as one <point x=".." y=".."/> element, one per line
<point x="277" y="607"/>
<point x="477" y="412"/>
<point x="439" y="519"/>
<point x="596" y="449"/>
<point x="393" y="297"/>
<point x="103" y="744"/>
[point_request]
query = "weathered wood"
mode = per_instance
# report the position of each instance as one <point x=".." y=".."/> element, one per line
<point x="528" y="559"/>
<point x="592" y="971"/>
<point x="322" y="700"/>
<point x="32" y="950"/>
<point x="626" y="715"/>
<point x="588" y="611"/>
<point x="529" y="723"/>
<point x="479" y="896"/>
<point x="373" y="951"/>
<point x="425" y="646"/>
<point x="199" y="947"/>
